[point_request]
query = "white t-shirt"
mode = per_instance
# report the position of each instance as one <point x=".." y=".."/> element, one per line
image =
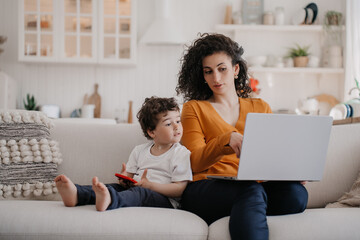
<point x="171" y="166"/>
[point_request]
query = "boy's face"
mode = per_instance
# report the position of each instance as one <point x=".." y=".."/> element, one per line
<point x="169" y="128"/>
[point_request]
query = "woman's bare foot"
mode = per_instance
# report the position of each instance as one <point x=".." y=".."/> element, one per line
<point x="67" y="190"/>
<point x="103" y="198"/>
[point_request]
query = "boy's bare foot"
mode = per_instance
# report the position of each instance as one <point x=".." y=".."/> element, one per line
<point x="103" y="198"/>
<point x="67" y="190"/>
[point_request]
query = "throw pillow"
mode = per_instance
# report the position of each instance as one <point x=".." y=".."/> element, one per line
<point x="349" y="199"/>
<point x="29" y="157"/>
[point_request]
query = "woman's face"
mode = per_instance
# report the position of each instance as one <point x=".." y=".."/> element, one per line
<point x="219" y="73"/>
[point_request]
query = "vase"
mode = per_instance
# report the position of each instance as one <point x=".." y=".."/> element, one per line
<point x="301" y="61"/>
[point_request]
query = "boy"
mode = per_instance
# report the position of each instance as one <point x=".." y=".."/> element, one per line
<point x="160" y="167"/>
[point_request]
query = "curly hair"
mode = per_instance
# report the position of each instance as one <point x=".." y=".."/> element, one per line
<point x="149" y="110"/>
<point x="191" y="81"/>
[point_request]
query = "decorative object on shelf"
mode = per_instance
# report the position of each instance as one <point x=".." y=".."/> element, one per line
<point x="326" y="102"/>
<point x="256" y="61"/>
<point x="332" y="18"/>
<point x="253" y="84"/>
<point x="228" y="13"/>
<point x="332" y="26"/>
<point x="268" y="18"/>
<point x="349" y="109"/>
<point x="253" y="11"/>
<point x="279" y="16"/>
<point x="51" y="110"/>
<point x="237" y="17"/>
<point x="30" y="49"/>
<point x="76" y="113"/>
<point x="130" y="114"/>
<point x="279" y="62"/>
<point x="306" y="15"/>
<point x="312" y="11"/>
<point x="332" y="56"/>
<point x="300" y="55"/>
<point x="30" y="103"/>
<point x="120" y="115"/>
<point x="94" y="99"/>
<point x="87" y="111"/>
<point x="2" y="40"/>
<point x="288" y="62"/>
<point x="332" y="49"/>
<point x="313" y="62"/>
<point x="270" y="60"/>
<point x="355" y="88"/>
<point x="309" y="106"/>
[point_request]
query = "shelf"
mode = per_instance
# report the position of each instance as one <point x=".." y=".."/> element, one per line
<point x="270" y="28"/>
<point x="297" y="70"/>
<point x="347" y="121"/>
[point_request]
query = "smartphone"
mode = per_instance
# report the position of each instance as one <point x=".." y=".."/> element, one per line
<point x="125" y="178"/>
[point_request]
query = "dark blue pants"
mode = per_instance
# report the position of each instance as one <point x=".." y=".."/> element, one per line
<point x="121" y="197"/>
<point x="246" y="202"/>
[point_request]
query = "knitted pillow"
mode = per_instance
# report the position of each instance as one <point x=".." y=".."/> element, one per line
<point x="28" y="156"/>
<point x="349" y="199"/>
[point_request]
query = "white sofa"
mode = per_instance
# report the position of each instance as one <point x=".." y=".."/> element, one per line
<point x="99" y="149"/>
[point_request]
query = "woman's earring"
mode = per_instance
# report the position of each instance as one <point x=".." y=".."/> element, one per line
<point x="236" y="76"/>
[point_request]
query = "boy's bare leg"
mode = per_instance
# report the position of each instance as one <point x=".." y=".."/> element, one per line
<point x="103" y="198"/>
<point x="67" y="190"/>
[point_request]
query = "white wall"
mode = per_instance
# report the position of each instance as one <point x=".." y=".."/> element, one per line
<point x="155" y="73"/>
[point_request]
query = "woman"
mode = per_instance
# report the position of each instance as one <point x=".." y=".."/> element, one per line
<point x="214" y="83"/>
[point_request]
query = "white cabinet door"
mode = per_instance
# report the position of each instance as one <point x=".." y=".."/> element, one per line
<point x="117" y="27"/>
<point x="37" y="30"/>
<point x="78" y="30"/>
<point x="83" y="31"/>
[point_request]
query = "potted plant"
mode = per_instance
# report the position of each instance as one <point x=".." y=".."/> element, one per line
<point x="299" y="55"/>
<point x="332" y="27"/>
<point x="2" y="40"/>
<point x="333" y="18"/>
<point x="31" y="102"/>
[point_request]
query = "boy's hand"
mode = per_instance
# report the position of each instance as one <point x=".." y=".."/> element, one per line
<point x="144" y="182"/>
<point x="123" y="171"/>
<point x="125" y="184"/>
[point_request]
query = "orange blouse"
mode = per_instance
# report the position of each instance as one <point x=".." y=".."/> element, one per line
<point x="206" y="135"/>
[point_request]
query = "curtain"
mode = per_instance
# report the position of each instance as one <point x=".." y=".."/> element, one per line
<point x="352" y="68"/>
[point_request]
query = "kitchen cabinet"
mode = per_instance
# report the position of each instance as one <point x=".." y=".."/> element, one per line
<point x="37" y="36"/>
<point x="284" y="87"/>
<point x="78" y="31"/>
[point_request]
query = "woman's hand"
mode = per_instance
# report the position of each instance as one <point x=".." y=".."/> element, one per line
<point x="235" y="143"/>
<point x="144" y="182"/>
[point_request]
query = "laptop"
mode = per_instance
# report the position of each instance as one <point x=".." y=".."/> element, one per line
<point x="283" y="147"/>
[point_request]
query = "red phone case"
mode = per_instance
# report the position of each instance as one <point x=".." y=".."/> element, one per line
<point x="125" y="177"/>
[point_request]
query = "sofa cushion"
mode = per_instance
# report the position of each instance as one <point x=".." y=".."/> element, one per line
<point x="50" y="220"/>
<point x="315" y="224"/>
<point x="349" y="199"/>
<point x="28" y="156"/>
<point x="91" y="149"/>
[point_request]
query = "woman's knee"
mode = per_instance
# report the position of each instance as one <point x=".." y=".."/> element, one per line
<point x="253" y="193"/>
